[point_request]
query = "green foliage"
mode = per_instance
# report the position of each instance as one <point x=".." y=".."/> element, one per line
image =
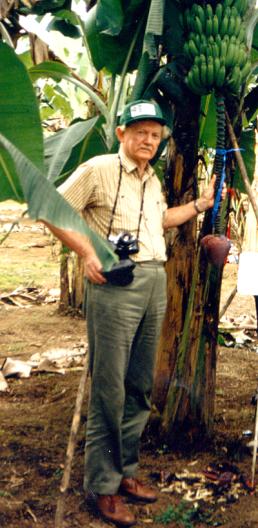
<point x="180" y="514"/>
<point x="66" y="149"/>
<point x="19" y="121"/>
<point x="104" y="43"/>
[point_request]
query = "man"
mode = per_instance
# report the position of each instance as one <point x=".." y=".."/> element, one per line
<point x="120" y="192"/>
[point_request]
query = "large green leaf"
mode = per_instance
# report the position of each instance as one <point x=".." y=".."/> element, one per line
<point x="208" y="126"/>
<point x="66" y="22"/>
<point x="251" y="104"/>
<point x="173" y="34"/>
<point x="19" y="120"/>
<point x="109" y="51"/>
<point x="89" y="145"/>
<point x="109" y="21"/>
<point x="62" y="144"/>
<point x="45" y="203"/>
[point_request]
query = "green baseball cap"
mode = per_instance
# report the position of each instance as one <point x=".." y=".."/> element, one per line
<point x="141" y="110"/>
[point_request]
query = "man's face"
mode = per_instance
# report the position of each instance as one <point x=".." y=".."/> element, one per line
<point x="141" y="140"/>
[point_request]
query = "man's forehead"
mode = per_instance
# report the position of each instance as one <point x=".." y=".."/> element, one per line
<point x="145" y="123"/>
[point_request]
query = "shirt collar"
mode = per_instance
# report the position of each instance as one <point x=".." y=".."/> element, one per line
<point x="130" y="166"/>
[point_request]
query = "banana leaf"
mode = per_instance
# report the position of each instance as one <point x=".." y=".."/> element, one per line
<point x="89" y="145"/>
<point x="45" y="203"/>
<point x="173" y="35"/>
<point x="109" y="19"/>
<point x="251" y="104"/>
<point x="208" y="127"/>
<point x="104" y="47"/>
<point x="19" y="121"/>
<point x="61" y="144"/>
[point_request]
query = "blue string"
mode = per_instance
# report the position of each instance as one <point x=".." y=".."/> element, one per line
<point x="222" y="152"/>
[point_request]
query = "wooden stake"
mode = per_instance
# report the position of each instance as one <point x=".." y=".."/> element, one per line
<point x="228" y="302"/>
<point x="242" y="168"/>
<point x="59" y="517"/>
<point x="255" y="444"/>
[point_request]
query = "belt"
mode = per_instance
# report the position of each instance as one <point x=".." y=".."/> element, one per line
<point x="150" y="263"/>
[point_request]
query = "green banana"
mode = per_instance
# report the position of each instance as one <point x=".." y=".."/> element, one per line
<point x="196" y="38"/>
<point x="218" y="12"/>
<point x="238" y="23"/>
<point x="215" y="24"/>
<point x="231" y="26"/>
<point x="223" y="48"/>
<point x="242" y="34"/>
<point x="246" y="70"/>
<point x="215" y="50"/>
<point x="241" y="6"/>
<point x="241" y="57"/>
<point x="224" y="26"/>
<point x="196" y="88"/>
<point x="197" y="25"/>
<point x="210" y="72"/>
<point x="203" y="73"/>
<point x="208" y="11"/>
<point x="220" y="76"/>
<point x="216" y="66"/>
<point x="234" y="81"/>
<point x="228" y="3"/>
<point x="196" y="75"/>
<point x="209" y="26"/>
<point x="192" y="48"/>
<point x="200" y="13"/>
<point x="230" y="55"/>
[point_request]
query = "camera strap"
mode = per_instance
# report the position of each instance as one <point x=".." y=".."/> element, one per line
<point x="115" y="203"/>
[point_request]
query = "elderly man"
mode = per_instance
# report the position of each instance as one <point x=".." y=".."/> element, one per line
<point x="116" y="193"/>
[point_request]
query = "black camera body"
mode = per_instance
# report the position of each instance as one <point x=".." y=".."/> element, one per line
<point x="124" y="244"/>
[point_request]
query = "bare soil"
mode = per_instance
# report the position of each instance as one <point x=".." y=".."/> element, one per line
<point x="36" y="414"/>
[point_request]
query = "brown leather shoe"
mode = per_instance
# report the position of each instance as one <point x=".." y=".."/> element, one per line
<point x="112" y="508"/>
<point x="137" y="490"/>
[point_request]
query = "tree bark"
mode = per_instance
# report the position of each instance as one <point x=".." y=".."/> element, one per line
<point x="181" y="183"/>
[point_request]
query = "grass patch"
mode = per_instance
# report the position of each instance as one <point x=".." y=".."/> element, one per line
<point x="38" y="275"/>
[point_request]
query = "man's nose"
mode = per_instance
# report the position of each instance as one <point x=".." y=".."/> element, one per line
<point x="148" y="138"/>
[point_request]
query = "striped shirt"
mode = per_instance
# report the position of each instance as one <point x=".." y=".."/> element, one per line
<point x="92" y="190"/>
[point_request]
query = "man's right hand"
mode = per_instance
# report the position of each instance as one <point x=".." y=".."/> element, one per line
<point x="93" y="269"/>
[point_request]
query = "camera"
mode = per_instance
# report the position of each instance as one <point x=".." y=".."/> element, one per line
<point x="124" y="244"/>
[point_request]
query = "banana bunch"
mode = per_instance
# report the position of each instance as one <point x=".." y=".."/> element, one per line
<point x="216" y="46"/>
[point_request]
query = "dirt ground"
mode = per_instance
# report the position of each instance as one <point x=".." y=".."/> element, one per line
<point x="36" y="413"/>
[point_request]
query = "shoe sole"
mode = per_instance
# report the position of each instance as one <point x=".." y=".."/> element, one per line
<point x="92" y="506"/>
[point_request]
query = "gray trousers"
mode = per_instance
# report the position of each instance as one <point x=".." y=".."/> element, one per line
<point x="123" y="329"/>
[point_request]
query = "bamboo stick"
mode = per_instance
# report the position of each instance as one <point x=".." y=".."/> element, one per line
<point x="255" y="444"/>
<point x="228" y="302"/>
<point x="59" y="517"/>
<point x="242" y="168"/>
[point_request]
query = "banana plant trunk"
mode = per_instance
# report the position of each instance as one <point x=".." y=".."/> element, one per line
<point x="184" y="385"/>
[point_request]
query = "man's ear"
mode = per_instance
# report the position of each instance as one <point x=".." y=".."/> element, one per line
<point x="120" y="134"/>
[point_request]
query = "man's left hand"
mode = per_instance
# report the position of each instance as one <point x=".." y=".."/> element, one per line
<point x="206" y="199"/>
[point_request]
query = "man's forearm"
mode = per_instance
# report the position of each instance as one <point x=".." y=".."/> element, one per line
<point x="72" y="239"/>
<point x="176" y="216"/>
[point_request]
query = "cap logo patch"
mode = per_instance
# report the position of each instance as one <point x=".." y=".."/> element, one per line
<point x="143" y="109"/>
